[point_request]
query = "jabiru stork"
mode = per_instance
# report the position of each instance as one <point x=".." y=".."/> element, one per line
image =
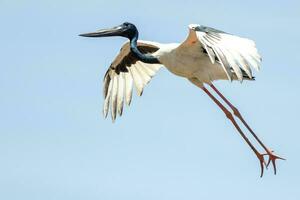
<point x="206" y="55"/>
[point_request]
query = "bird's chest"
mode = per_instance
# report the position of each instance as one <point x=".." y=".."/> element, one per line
<point x="184" y="64"/>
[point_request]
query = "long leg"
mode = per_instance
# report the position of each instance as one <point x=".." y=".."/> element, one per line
<point x="230" y="117"/>
<point x="236" y="112"/>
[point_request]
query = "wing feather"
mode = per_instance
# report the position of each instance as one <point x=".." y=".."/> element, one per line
<point x="107" y="93"/>
<point x="137" y="79"/>
<point x="120" y="93"/>
<point x="236" y="55"/>
<point x="128" y="88"/>
<point x="113" y="99"/>
<point x="145" y="77"/>
<point x="149" y="71"/>
<point x="124" y="72"/>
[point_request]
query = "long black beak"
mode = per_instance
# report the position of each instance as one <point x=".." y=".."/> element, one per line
<point x="115" y="31"/>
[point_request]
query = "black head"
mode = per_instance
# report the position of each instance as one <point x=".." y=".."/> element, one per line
<point x="126" y="29"/>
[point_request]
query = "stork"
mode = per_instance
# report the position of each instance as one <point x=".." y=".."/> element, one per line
<point x="205" y="56"/>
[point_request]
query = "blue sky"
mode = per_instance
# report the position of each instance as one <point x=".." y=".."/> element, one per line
<point x="173" y="142"/>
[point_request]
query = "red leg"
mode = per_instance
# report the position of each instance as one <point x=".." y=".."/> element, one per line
<point x="230" y="117"/>
<point x="272" y="156"/>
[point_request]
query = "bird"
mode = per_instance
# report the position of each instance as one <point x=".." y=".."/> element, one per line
<point x="206" y="55"/>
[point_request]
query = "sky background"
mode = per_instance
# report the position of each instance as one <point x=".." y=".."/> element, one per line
<point x="173" y="142"/>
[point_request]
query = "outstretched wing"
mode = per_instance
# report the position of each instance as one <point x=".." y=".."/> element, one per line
<point x="235" y="54"/>
<point x="124" y="72"/>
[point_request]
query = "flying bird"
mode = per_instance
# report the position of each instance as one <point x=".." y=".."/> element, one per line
<point x="206" y="55"/>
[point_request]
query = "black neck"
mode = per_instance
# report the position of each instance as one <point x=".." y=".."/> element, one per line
<point x="146" y="58"/>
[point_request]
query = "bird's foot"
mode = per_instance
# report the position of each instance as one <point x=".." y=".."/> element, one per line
<point x="272" y="158"/>
<point x="262" y="162"/>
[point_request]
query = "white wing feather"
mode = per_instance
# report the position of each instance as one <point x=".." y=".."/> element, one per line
<point x="235" y="54"/>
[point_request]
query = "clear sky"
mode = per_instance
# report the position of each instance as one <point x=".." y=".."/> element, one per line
<point x="173" y="142"/>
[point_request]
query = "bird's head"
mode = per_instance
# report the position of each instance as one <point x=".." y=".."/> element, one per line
<point x="126" y="29"/>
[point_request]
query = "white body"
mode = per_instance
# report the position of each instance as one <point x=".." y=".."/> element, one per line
<point x="189" y="63"/>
